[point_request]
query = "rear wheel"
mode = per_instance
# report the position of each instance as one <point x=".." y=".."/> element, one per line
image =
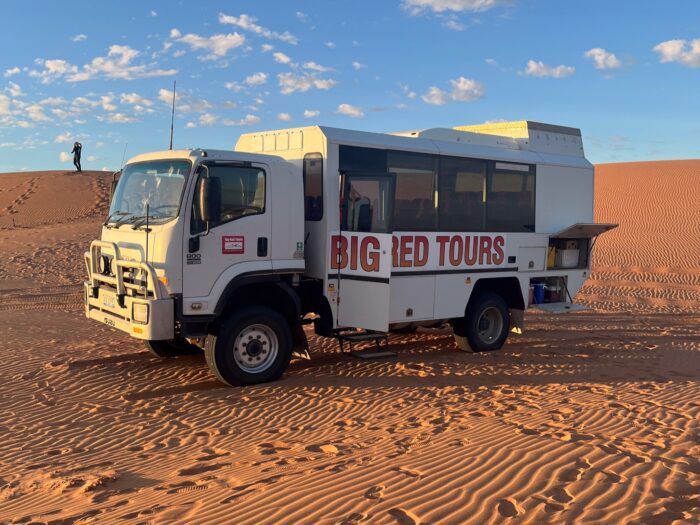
<point x="252" y="346"/>
<point x="172" y="348"/>
<point x="485" y="325"/>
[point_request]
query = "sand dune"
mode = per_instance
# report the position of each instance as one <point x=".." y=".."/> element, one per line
<point x="586" y="418"/>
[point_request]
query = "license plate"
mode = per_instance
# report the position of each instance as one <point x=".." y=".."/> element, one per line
<point x="109" y="301"/>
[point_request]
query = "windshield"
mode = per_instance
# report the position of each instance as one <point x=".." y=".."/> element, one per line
<point x="149" y="188"/>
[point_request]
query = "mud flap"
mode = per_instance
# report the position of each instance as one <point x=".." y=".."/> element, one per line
<point x="517" y="321"/>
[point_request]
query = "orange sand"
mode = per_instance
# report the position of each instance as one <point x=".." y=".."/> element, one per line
<point x="587" y="418"/>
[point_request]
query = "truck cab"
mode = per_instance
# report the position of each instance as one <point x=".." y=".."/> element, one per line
<point x="189" y="235"/>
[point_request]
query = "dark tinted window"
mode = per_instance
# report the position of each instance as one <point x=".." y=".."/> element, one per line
<point x="353" y="158"/>
<point x="415" y="194"/>
<point x="511" y="198"/>
<point x="462" y="205"/>
<point x="242" y="193"/>
<point x="313" y="187"/>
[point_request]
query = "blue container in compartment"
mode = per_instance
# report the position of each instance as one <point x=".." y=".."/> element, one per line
<point x="539" y="293"/>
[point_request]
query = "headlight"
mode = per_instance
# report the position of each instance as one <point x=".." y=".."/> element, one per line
<point x="139" y="313"/>
<point x="104" y="265"/>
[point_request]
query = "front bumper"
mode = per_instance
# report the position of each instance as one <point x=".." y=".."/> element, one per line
<point x="112" y="300"/>
<point x="106" y="308"/>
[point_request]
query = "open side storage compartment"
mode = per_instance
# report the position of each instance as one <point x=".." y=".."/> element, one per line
<point x="571" y="247"/>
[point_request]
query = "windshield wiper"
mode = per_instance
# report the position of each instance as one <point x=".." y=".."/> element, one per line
<point x="114" y="214"/>
<point x="140" y="220"/>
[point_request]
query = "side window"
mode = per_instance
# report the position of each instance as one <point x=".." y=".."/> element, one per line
<point x="462" y="204"/>
<point x="511" y="198"/>
<point x="416" y="193"/>
<point x="313" y="187"/>
<point x="242" y="194"/>
<point x="367" y="205"/>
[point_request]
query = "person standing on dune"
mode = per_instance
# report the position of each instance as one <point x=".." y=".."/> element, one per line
<point x="77" y="148"/>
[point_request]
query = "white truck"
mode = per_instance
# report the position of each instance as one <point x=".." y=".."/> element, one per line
<point x="358" y="233"/>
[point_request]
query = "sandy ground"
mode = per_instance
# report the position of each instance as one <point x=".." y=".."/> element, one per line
<point x="587" y="418"/>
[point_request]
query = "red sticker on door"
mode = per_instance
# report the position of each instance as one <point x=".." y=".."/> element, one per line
<point x="232" y="244"/>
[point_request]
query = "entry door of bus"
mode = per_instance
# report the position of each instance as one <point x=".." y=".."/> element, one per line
<point x="362" y="251"/>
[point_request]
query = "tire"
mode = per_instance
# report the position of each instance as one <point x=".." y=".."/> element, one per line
<point x="252" y="346"/>
<point x="486" y="324"/>
<point x="172" y="348"/>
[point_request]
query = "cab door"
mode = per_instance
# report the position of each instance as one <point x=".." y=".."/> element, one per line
<point x="235" y="243"/>
<point x="361" y="251"/>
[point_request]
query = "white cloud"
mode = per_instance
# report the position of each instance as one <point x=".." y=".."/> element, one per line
<point x="351" y="111"/>
<point x="247" y="23"/>
<point x="330" y="45"/>
<point x="207" y="119"/>
<point x="311" y="113"/>
<point x="682" y="51"/>
<point x="265" y="48"/>
<point x="491" y="61"/>
<point x="463" y="90"/>
<point x="603" y="59"/>
<point x="153" y="13"/>
<point x="358" y="65"/>
<point x="302" y="17"/>
<point x="14" y="90"/>
<point x="540" y="69"/>
<point x="106" y="103"/>
<point x="281" y="58"/>
<point x="248" y="120"/>
<point x="454" y="25"/>
<point x="316" y="67"/>
<point x="286" y="117"/>
<point x="78" y="38"/>
<point x="117" y="64"/>
<point x="120" y="118"/>
<point x="436" y="96"/>
<point x="135" y="99"/>
<point x="290" y="82"/>
<point x="184" y="102"/>
<point x="190" y="125"/>
<point x="53" y="69"/>
<point x="218" y="45"/>
<point x="407" y="91"/>
<point x="233" y="86"/>
<point x="64" y="157"/>
<point x="12" y="71"/>
<point x="439" y="6"/>
<point x="63" y="137"/>
<point x="466" y="90"/>
<point x="256" y="79"/>
<point x="4" y="105"/>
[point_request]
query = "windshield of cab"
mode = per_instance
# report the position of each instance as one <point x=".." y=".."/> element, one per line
<point x="152" y="189"/>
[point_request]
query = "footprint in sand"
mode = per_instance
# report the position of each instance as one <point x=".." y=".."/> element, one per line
<point x="376" y="492"/>
<point x="575" y="474"/>
<point x="409" y="472"/>
<point x="354" y="519"/>
<point x="200" y="469"/>
<point x="404" y="517"/>
<point x="509" y="508"/>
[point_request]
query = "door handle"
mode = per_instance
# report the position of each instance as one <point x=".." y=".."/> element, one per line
<point x="262" y="246"/>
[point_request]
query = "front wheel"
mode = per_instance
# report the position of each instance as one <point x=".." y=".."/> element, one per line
<point x="485" y="325"/>
<point x="252" y="346"/>
<point x="172" y="348"/>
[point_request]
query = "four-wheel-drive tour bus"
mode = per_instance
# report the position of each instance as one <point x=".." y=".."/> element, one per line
<point x="359" y="233"/>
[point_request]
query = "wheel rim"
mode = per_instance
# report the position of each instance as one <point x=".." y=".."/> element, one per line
<point x="255" y="348"/>
<point x="490" y="324"/>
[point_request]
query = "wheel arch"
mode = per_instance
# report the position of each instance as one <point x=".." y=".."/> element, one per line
<point x="269" y="290"/>
<point x="507" y="287"/>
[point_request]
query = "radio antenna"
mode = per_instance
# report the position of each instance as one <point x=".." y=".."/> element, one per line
<point x="126" y="144"/>
<point x="172" y="117"/>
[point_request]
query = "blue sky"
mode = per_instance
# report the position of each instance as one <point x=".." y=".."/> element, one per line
<point x="626" y="72"/>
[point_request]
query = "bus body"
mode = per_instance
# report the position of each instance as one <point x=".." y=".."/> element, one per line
<point x="231" y="250"/>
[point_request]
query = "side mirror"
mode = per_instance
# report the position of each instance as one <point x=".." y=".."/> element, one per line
<point x="209" y="199"/>
<point x="113" y="186"/>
